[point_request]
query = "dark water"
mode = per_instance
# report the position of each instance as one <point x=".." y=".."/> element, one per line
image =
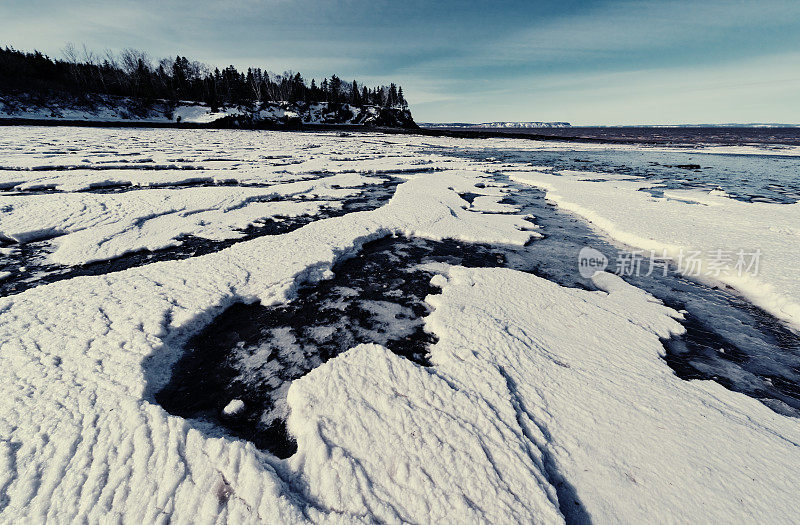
<point x="252" y="352"/>
<point x="750" y="178"/>
<point x="718" y="135"/>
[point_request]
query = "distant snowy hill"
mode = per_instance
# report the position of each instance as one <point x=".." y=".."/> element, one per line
<point x="523" y="125"/>
<point x="106" y="108"/>
<point x="498" y="125"/>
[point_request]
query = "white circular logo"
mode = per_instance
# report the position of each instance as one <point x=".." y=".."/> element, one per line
<point x="591" y="261"/>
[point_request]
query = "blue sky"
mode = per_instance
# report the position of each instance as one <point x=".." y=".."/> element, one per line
<point x="598" y="62"/>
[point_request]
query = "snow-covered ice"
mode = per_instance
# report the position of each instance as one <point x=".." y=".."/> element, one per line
<point x="542" y="403"/>
<point x="91" y="227"/>
<point x="80" y="367"/>
<point x="580" y="373"/>
<point x="234" y="407"/>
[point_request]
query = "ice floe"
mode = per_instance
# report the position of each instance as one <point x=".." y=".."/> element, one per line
<point x="88" y="227"/>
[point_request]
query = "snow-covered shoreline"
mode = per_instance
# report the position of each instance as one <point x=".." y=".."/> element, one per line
<point x="107" y="109"/>
<point x="148" y="312"/>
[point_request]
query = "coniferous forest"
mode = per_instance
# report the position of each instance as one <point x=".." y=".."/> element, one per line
<point x="133" y="73"/>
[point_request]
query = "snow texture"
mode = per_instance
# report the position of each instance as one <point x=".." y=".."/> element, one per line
<point x="581" y="375"/>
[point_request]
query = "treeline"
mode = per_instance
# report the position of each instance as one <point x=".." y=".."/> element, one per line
<point x="133" y="74"/>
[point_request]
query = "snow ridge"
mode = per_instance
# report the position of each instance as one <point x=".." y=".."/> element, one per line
<point x="691" y="221"/>
<point x="632" y="439"/>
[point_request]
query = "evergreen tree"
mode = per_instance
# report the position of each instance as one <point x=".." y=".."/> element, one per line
<point x="132" y="74"/>
<point x="326" y="94"/>
<point x="335" y="88"/>
<point x="298" y="89"/>
<point x="179" y="76"/>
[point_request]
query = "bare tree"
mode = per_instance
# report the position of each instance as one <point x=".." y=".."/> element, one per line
<point x="71" y="57"/>
<point x="129" y="60"/>
<point x="70" y="53"/>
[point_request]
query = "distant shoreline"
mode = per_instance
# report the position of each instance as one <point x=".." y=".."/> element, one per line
<point x="733" y="135"/>
<point x="672" y="135"/>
